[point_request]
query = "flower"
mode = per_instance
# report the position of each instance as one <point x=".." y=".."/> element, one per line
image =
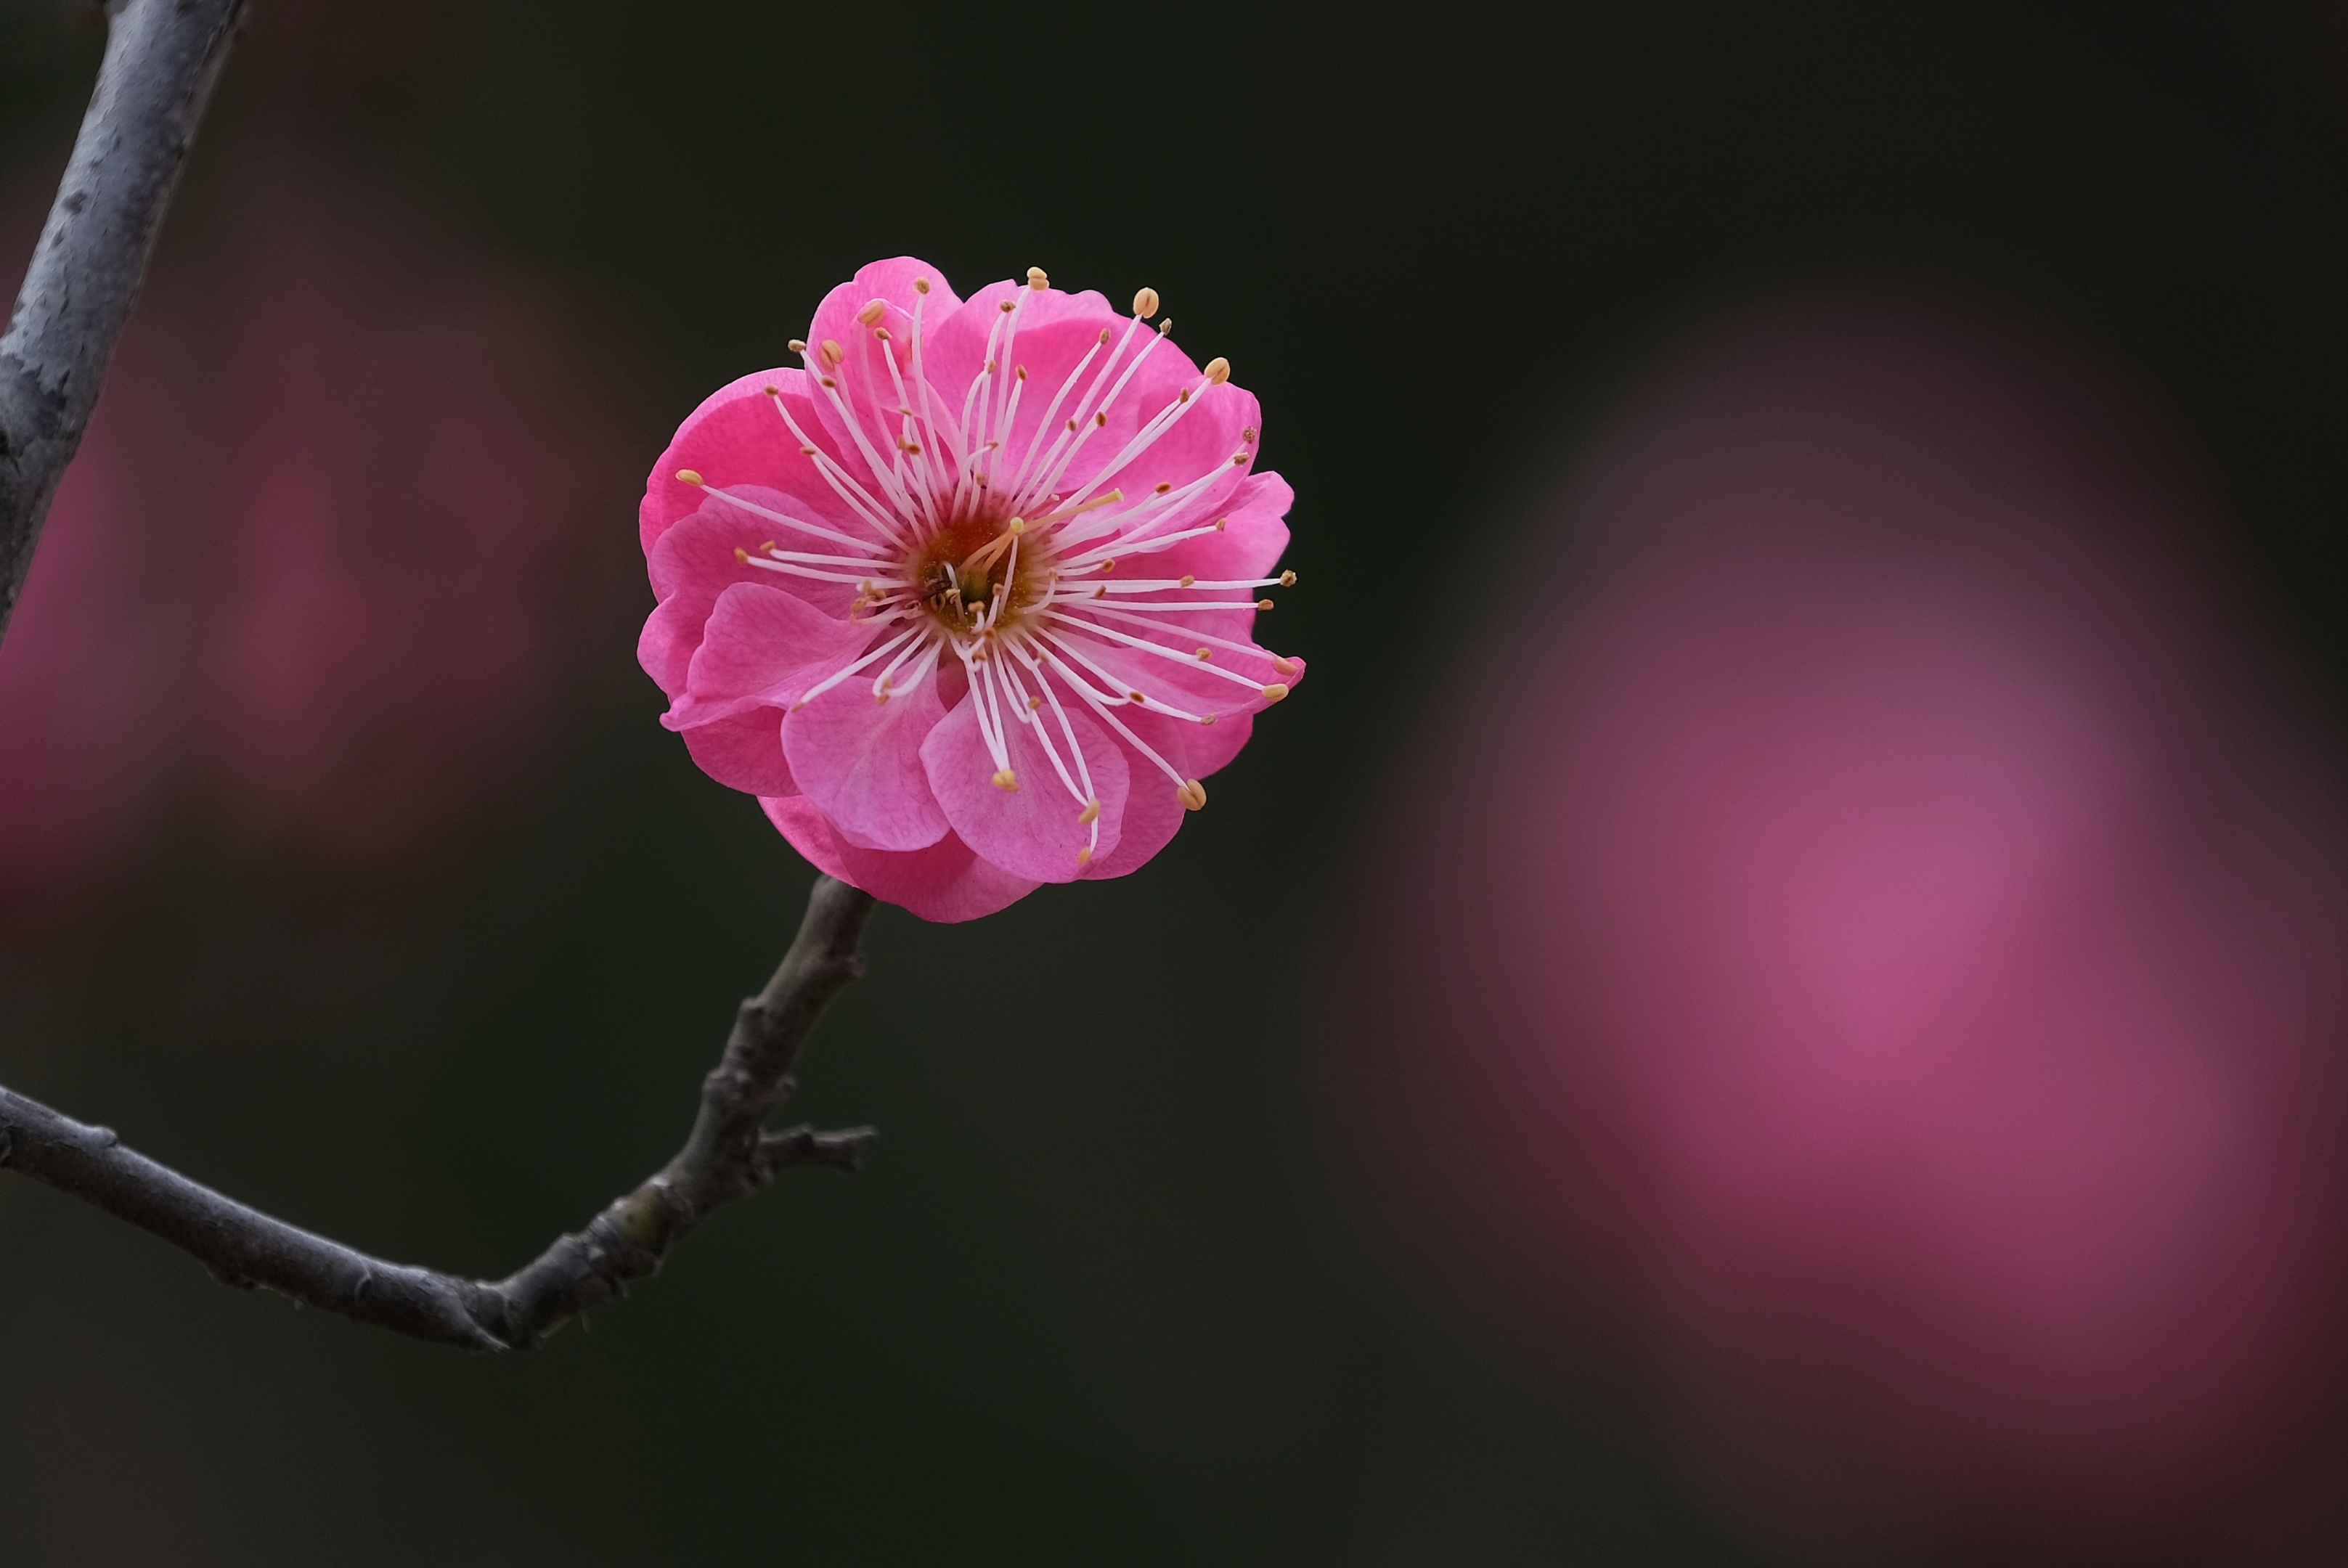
<point x="1910" y="996"/>
<point x="968" y="603"/>
<point x="296" y="582"/>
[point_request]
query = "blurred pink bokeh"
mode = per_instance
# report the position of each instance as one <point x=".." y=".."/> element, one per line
<point x="326" y="550"/>
<point x="1869" y="922"/>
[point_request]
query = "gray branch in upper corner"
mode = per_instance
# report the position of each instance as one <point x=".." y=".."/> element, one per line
<point x="162" y="58"/>
<point x="729" y="1155"/>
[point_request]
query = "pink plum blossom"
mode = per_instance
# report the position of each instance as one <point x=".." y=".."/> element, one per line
<point x="1876" y="924"/>
<point x="297" y="581"/>
<point x="968" y="602"/>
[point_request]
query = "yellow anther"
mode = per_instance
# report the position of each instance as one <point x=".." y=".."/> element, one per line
<point x="1036" y="279"/>
<point x="829" y="382"/>
<point x="1089" y="814"/>
<point x="880" y="699"/>
<point x="1239" y="459"/>
<point x="1205" y="654"/>
<point x="881" y="332"/>
<point x="1006" y="779"/>
<point x="832" y="353"/>
<point x="872" y="312"/>
<point x="771" y="390"/>
<point x="1288" y="580"/>
<point x="1274" y="693"/>
<point x="1145" y="305"/>
<point x="1209" y="719"/>
<point x="1163" y="488"/>
<point x="1104" y="340"/>
<point x="1034" y="704"/>
<point x="1188" y="579"/>
<point x="1017" y="526"/>
<point x="741" y="554"/>
<point x="1219" y="371"/>
<point x="1008" y="307"/>
<point x="1085" y="856"/>
<point x="799" y="345"/>
<point x="807" y="451"/>
<point x="1166" y="327"/>
<point x="1101" y="419"/>
<point x="1109" y="565"/>
<point x="1285" y="666"/>
<point x="1136" y="695"/>
<point x="690" y="476"/>
<point x="1264" y="604"/>
<point x="921" y="285"/>
<point x="1020" y="371"/>
<point x="1218" y="524"/>
<point x="1193" y="795"/>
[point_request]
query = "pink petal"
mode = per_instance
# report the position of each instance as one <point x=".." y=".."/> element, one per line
<point x="744" y="752"/>
<point x="1033" y="830"/>
<point x="1197" y="750"/>
<point x="862" y="381"/>
<point x="762" y="648"/>
<point x="737" y="438"/>
<point x="860" y="763"/>
<point x="1203" y="441"/>
<point x="1253" y="539"/>
<point x="1153" y="811"/>
<point x="944" y="882"/>
<point x="693" y="564"/>
<point x="1181" y="682"/>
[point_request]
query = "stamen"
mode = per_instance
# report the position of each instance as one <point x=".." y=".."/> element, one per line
<point x="1145" y="303"/>
<point x="771" y="515"/>
<point x="1219" y="371"/>
<point x="873" y="312"/>
<point x="1100" y="705"/>
<point x="1036" y="279"/>
<point x="1069" y="624"/>
<point x="1285" y="666"/>
<point x="1193" y="795"/>
<point x="690" y="478"/>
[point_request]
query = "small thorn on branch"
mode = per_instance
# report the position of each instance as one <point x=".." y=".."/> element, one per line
<point x="729" y="1155"/>
<point x="844" y="1151"/>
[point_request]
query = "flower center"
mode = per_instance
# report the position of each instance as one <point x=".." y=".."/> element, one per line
<point x="979" y="574"/>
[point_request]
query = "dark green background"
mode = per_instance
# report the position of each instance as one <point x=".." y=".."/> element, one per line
<point x="1103" y="1297"/>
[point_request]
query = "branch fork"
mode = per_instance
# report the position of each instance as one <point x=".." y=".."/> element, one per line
<point x="729" y="1155"/>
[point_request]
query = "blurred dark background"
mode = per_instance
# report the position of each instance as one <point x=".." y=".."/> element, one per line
<point x="1107" y="1293"/>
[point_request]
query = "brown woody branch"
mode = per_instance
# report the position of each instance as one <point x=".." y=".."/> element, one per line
<point x="162" y="58"/>
<point x="729" y="1155"/>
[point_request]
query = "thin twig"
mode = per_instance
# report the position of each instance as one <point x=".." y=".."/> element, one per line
<point x="729" y="1155"/>
<point x="162" y="58"/>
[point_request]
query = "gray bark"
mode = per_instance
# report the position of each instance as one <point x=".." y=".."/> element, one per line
<point x="162" y="58"/>
<point x="729" y="1155"/>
